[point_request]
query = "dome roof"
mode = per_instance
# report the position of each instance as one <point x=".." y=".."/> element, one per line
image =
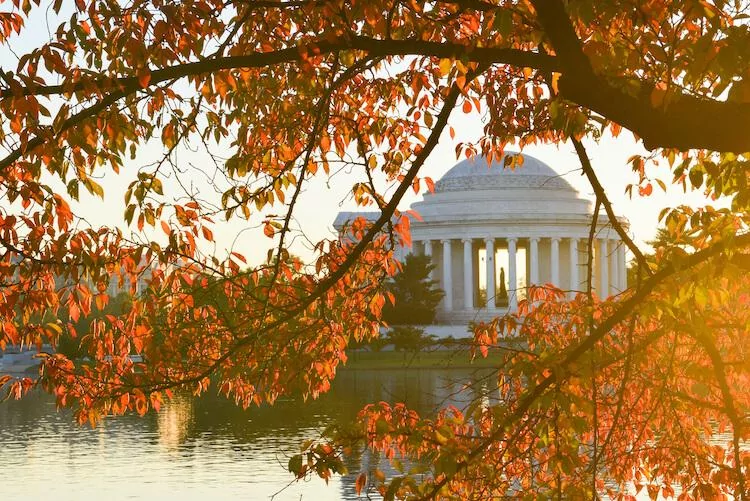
<point x="475" y="200"/>
<point x="477" y="174"/>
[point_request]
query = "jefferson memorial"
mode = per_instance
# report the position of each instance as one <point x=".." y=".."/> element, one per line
<point x="491" y="231"/>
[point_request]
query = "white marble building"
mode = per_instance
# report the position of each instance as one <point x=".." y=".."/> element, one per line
<point x="532" y="224"/>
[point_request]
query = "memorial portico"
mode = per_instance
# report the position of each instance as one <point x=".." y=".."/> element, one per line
<point x="492" y="232"/>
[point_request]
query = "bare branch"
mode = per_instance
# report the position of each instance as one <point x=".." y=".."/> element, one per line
<point x="558" y="376"/>
<point x="601" y="197"/>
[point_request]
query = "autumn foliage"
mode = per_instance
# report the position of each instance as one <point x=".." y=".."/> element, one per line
<point x="611" y="395"/>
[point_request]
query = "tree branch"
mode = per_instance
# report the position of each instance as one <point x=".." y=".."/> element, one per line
<point x="601" y="197"/>
<point x="730" y="409"/>
<point x="385" y="216"/>
<point x="681" y="124"/>
<point x="374" y="47"/>
<point x="558" y="375"/>
<point x="126" y="86"/>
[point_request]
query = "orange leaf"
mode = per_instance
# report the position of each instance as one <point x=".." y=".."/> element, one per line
<point x="467" y="106"/>
<point x="615" y="129"/>
<point x="240" y="257"/>
<point x="166" y="228"/>
<point x="325" y="143"/>
<point x="74" y="312"/>
<point x="15" y="124"/>
<point x="658" y="95"/>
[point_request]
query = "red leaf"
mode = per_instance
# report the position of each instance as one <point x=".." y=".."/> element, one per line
<point x="144" y="77"/>
<point x="359" y="484"/>
<point x="415" y="214"/>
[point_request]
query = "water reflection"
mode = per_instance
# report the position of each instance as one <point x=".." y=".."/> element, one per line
<point x="206" y="447"/>
<point x="174" y="423"/>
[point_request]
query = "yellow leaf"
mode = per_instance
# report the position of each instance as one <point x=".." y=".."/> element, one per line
<point x="555" y="80"/>
<point x="445" y="66"/>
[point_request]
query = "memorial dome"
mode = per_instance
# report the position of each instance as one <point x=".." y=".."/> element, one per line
<point x="476" y="190"/>
<point x="477" y="173"/>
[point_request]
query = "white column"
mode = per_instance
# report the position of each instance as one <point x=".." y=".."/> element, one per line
<point x="622" y="267"/>
<point x="555" y="260"/>
<point x="512" y="281"/>
<point x="428" y="253"/>
<point x="614" y="269"/>
<point x="604" y="268"/>
<point x="447" y="276"/>
<point x="490" y="264"/>
<point x="468" y="274"/>
<point x="574" y="280"/>
<point x="534" y="261"/>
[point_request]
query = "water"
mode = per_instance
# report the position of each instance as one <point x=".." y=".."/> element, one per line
<point x="206" y="448"/>
<point x="202" y="448"/>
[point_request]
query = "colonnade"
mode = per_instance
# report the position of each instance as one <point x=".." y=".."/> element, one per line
<point x="609" y="262"/>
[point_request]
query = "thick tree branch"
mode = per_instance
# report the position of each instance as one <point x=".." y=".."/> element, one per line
<point x="123" y="87"/>
<point x="681" y="124"/>
<point x="374" y="47"/>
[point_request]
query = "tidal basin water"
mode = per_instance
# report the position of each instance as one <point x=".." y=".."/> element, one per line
<point x="202" y="448"/>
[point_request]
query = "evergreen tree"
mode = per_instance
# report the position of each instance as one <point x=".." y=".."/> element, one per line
<point x="416" y="295"/>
